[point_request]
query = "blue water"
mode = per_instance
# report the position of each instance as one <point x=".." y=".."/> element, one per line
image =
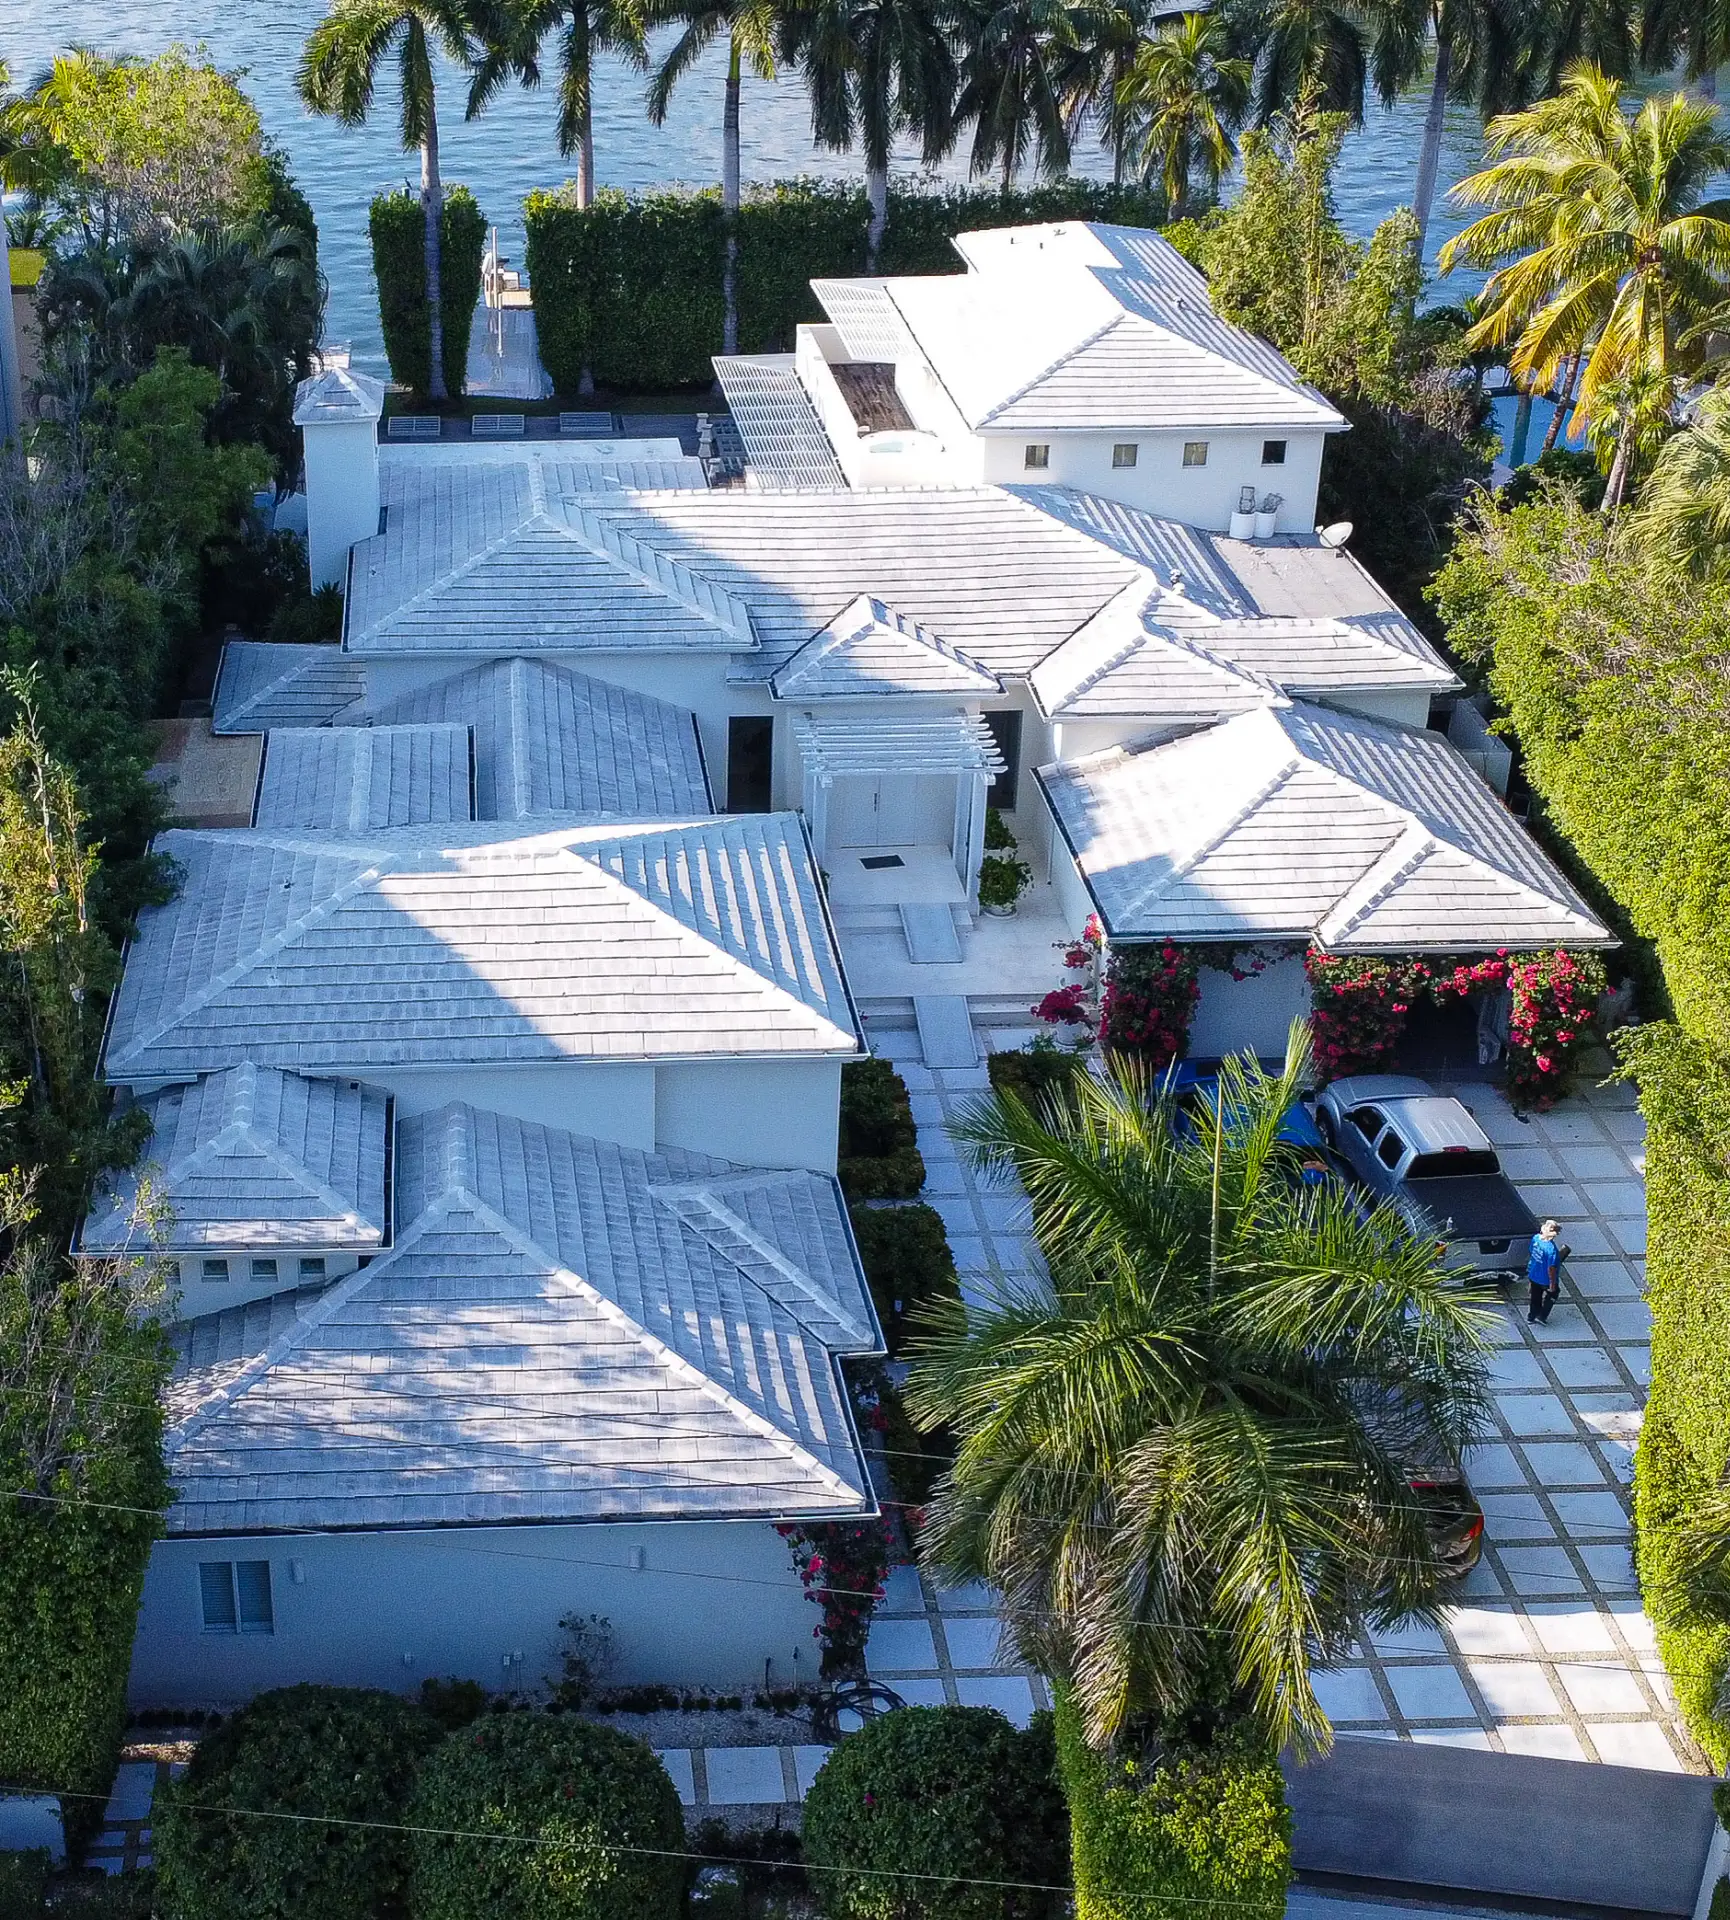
<point x="512" y="149"/>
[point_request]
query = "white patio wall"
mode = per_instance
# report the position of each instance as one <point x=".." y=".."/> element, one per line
<point x="708" y="1605"/>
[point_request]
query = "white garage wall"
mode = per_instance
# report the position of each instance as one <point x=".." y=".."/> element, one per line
<point x="1256" y="1014"/>
<point x="762" y="1113"/>
<point x="708" y="1606"/>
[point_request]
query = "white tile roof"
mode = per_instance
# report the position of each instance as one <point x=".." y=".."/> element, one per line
<point x="256" y="1158"/>
<point x="338" y="397"/>
<point x="477" y="944"/>
<point x="1080" y="325"/>
<point x="565" y="1330"/>
<point x="354" y="779"/>
<point x="785" y="445"/>
<point x="483" y="555"/>
<point x="551" y="740"/>
<point x="869" y="648"/>
<point x="262" y="684"/>
<point x="1297" y="822"/>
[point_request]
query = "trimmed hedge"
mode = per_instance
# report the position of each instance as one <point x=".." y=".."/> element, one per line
<point x="398" y="228"/>
<point x="629" y="290"/>
<point x="907" y="1262"/>
<point x="953" y="1794"/>
<point x="1032" y="1072"/>
<point x="880" y="1157"/>
<point x="340" y="1752"/>
<point x="1204" y="1834"/>
<point x="572" y="1794"/>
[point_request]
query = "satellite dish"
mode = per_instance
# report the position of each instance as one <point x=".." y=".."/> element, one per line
<point x="1335" y="535"/>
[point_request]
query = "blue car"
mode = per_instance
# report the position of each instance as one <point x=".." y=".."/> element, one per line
<point x="1196" y="1087"/>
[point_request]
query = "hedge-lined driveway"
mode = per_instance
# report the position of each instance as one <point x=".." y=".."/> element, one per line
<point x="1546" y="1649"/>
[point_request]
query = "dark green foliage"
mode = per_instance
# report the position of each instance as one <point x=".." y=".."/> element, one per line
<point x="1720" y="1907"/>
<point x="1191" y="1833"/>
<point x="998" y="838"/>
<point x="1721" y="1805"/>
<point x="398" y="228"/>
<point x="916" y="1461"/>
<point x="23" y="1885"/>
<point x="453" y="1703"/>
<point x="306" y="619"/>
<point x="1573" y="467"/>
<point x="345" y="1754"/>
<point x="250" y="580"/>
<point x="1032" y="1072"/>
<point x="907" y="1262"/>
<point x="879" y="1151"/>
<point x="578" y="1792"/>
<point x="630" y="289"/>
<point x="953" y="1795"/>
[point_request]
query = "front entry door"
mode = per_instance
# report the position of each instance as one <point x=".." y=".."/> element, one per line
<point x="891" y="810"/>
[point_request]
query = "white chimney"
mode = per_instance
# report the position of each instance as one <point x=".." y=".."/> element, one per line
<point x="338" y="413"/>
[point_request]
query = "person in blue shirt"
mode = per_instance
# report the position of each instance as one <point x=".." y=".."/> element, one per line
<point x="1544" y="1271"/>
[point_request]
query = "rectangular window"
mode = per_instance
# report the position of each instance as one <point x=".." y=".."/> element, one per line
<point x="264" y="1270"/>
<point x="234" y="1596"/>
<point x="750" y="763"/>
<point x="1273" y="453"/>
<point x="216" y="1269"/>
<point x="1006" y="731"/>
<point x="1037" y="457"/>
<point x="312" y="1266"/>
<point x="1123" y="454"/>
<point x="1195" y="453"/>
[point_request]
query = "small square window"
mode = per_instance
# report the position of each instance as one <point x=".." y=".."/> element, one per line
<point x="215" y="1269"/>
<point x="1123" y="454"/>
<point x="312" y="1266"/>
<point x="1273" y="453"/>
<point x="1195" y="453"/>
<point x="264" y="1270"/>
<point x="1037" y="457"/>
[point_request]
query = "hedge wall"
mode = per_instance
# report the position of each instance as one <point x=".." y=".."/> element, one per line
<point x="630" y="289"/>
<point x="398" y="229"/>
<point x="1615" y="686"/>
<point x="1204" y="1835"/>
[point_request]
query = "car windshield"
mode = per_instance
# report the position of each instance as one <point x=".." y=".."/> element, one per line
<point x="1454" y="1163"/>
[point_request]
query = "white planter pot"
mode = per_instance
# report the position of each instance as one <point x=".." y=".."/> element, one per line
<point x="999" y="913"/>
<point x="1243" y="526"/>
<point x="1264" y="525"/>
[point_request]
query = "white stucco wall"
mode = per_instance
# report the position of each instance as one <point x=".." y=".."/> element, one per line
<point x="707" y="1606"/>
<point x="1256" y="1014"/>
<point x="1159" y="481"/>
<point x="1408" y="709"/>
<point x="762" y="1113"/>
<point x="193" y="1295"/>
<point x="608" y="1100"/>
<point x="342" y="494"/>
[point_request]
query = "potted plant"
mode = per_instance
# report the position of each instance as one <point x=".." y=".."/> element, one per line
<point x="1267" y="515"/>
<point x="1243" y="520"/>
<point x="1003" y="878"/>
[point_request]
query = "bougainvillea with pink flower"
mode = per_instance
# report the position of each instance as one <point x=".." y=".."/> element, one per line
<point x="842" y="1565"/>
<point x="1150" y="996"/>
<point x="1360" y="1003"/>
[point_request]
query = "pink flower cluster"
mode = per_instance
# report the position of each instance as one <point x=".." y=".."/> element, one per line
<point x="842" y="1566"/>
<point x="1150" y="996"/>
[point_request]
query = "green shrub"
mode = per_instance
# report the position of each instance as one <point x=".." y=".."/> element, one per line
<point x="630" y="289"/>
<point x="1720" y="1907"/>
<point x="1205" y="1834"/>
<point x="916" y="1461"/>
<point x="907" y="1262"/>
<point x="340" y="1752"/>
<point x="953" y="1795"/>
<point x="23" y="1884"/>
<point x="1032" y="1072"/>
<point x="573" y="1795"/>
<point x="879" y="1151"/>
<point x="398" y="229"/>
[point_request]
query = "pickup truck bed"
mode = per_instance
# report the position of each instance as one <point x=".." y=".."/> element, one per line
<point x="1478" y="1207"/>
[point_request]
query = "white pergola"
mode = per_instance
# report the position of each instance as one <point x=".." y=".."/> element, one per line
<point x="841" y="746"/>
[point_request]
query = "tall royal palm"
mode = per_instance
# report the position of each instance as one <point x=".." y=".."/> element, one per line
<point x="877" y="69"/>
<point x="757" y="36"/>
<point x="1309" y="52"/>
<point x="338" y="71"/>
<point x="1015" y="60"/>
<point x="1183" y="102"/>
<point x="1603" y="243"/>
<point x="515" y="32"/>
<point x="1186" y="1461"/>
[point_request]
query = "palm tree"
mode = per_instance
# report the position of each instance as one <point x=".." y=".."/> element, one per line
<point x="1682" y="522"/>
<point x="1190" y="1455"/>
<point x="757" y="33"/>
<point x="1611" y="252"/>
<point x="513" y="35"/>
<point x="1310" y="53"/>
<point x="1013" y="92"/>
<point x="877" y="68"/>
<point x="338" y="71"/>
<point x="1183" y="101"/>
<point x="1092" y="71"/>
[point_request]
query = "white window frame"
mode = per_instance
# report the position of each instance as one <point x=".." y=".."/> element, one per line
<point x="1036" y="457"/>
<point x="1125" y="454"/>
<point x="1195" y="453"/>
